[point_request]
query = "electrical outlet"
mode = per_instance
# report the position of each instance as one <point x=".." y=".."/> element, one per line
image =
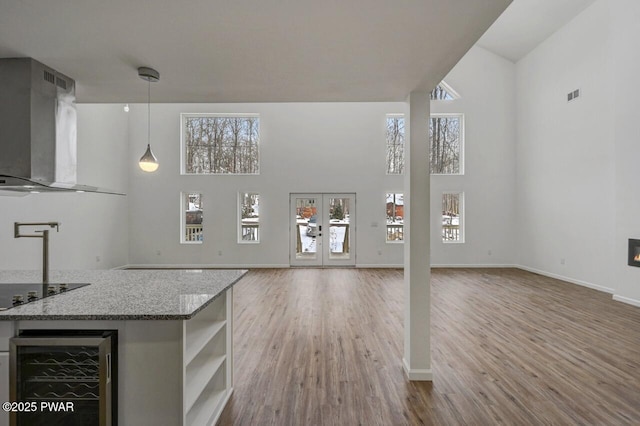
<point x="158" y="252"/>
<point x="562" y="261"/>
<point x="489" y="252"/>
<point x="98" y="259"/>
<point x="379" y="252"/>
<point x="219" y="252"/>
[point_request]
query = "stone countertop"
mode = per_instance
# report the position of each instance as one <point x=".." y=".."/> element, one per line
<point x="149" y="294"/>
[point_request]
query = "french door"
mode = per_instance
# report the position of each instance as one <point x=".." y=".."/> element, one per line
<point x="322" y="229"/>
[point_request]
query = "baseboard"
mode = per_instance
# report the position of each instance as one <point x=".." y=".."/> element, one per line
<point x="626" y="300"/>
<point x="199" y="266"/>
<point x="567" y="279"/>
<point x="380" y="265"/>
<point x="416" y="375"/>
<point x="457" y="265"/>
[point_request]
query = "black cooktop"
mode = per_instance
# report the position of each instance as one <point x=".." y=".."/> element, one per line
<point x="16" y="294"/>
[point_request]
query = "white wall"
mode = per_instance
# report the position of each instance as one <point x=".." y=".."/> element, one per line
<point x="92" y="224"/>
<point x="566" y="164"/>
<point x="486" y="85"/>
<point x="626" y="85"/>
<point x="305" y="147"/>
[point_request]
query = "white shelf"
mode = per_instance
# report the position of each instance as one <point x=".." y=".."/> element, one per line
<point x="207" y="404"/>
<point x="199" y="374"/>
<point x="207" y="362"/>
<point x="199" y="335"/>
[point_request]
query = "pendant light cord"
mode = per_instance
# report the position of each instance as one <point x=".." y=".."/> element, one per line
<point x="149" y="113"/>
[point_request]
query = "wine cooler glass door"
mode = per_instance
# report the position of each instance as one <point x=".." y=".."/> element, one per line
<point x="61" y="381"/>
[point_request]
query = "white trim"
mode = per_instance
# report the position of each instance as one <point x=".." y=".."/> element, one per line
<point x="380" y="265"/>
<point x="416" y="375"/>
<point x="567" y="279"/>
<point x="386" y="127"/>
<point x="239" y="218"/>
<point x="183" y="149"/>
<point x="626" y="300"/>
<point x="462" y="140"/>
<point x="455" y="95"/>
<point x="183" y="217"/>
<point x="201" y="266"/>
<point x="474" y="265"/>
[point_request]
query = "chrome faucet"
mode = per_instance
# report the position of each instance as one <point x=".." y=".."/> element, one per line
<point x="45" y="242"/>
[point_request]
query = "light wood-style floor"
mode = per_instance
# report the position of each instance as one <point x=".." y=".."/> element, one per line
<point x="324" y="347"/>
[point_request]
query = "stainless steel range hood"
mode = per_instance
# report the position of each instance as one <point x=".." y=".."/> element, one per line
<point x="38" y="129"/>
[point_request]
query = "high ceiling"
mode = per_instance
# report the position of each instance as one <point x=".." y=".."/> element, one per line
<point x="527" y="23"/>
<point x="246" y="50"/>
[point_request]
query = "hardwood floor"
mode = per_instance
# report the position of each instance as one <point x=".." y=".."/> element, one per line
<point x="324" y="347"/>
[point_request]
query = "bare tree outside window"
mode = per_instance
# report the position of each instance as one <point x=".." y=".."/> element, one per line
<point x="440" y="93"/>
<point x="445" y="137"/>
<point x="221" y="144"/>
<point x="192" y="228"/>
<point x="452" y="217"/>
<point x="395" y="217"/>
<point x="395" y="145"/>
<point x="249" y="229"/>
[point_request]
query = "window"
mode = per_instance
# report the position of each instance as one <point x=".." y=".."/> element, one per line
<point x="220" y="144"/>
<point x="443" y="92"/>
<point x="446" y="144"/>
<point x="191" y="214"/>
<point x="395" y="218"/>
<point x="395" y="144"/>
<point x="249" y="224"/>
<point x="452" y="210"/>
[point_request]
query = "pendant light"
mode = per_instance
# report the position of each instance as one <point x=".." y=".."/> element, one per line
<point x="148" y="162"/>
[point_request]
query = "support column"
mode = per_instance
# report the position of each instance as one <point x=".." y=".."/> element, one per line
<point x="417" y="259"/>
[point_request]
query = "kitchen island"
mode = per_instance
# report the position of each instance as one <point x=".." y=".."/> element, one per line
<point x="174" y="336"/>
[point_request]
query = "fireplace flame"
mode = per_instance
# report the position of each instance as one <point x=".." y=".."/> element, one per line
<point x="637" y="258"/>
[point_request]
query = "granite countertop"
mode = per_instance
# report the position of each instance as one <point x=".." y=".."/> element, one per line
<point x="149" y="294"/>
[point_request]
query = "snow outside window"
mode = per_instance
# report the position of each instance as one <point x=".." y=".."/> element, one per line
<point x="220" y="144"/>
<point x="446" y="137"/>
<point x="452" y="217"/>
<point x="395" y="144"/>
<point x="249" y="217"/>
<point x="191" y="218"/>
<point x="395" y="218"/>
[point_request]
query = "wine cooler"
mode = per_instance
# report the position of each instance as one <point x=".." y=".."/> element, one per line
<point x="63" y="377"/>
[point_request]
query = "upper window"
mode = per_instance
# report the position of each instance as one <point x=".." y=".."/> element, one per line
<point x="220" y="144"/>
<point x="443" y="92"/>
<point x="446" y="144"/>
<point x="395" y="144"/>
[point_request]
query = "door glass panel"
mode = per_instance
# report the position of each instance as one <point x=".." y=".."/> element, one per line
<point x="307" y="228"/>
<point x="339" y="229"/>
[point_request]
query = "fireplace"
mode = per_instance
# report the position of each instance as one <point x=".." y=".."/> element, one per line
<point x="634" y="252"/>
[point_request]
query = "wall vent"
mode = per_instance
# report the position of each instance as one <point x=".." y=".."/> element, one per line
<point x="60" y="82"/>
<point x="572" y="96"/>
<point x="50" y="77"/>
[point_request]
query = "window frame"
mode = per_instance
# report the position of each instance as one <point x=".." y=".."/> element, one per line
<point x="386" y="142"/>
<point x="461" y="218"/>
<point x="183" y="147"/>
<point x="183" y="218"/>
<point x="239" y="218"/>
<point x="386" y="233"/>
<point x="462" y="141"/>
